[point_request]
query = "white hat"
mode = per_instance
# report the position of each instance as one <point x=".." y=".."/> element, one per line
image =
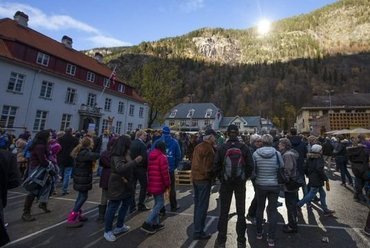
<point x="316" y="148"/>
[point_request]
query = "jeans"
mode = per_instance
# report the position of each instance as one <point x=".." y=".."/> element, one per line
<point x="81" y="198"/>
<point x="111" y="211"/>
<point x="291" y="205"/>
<point x="272" y="194"/>
<point x="313" y="191"/>
<point x="342" y="164"/>
<point x="202" y="191"/>
<point x="226" y="192"/>
<point x="173" y="201"/>
<point x="153" y="217"/>
<point x="140" y="174"/>
<point x="67" y="172"/>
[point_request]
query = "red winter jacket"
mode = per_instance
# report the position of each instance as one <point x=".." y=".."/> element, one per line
<point x="158" y="175"/>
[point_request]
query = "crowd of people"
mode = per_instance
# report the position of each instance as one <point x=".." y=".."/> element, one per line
<point x="274" y="163"/>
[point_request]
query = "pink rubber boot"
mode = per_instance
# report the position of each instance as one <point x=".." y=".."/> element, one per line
<point x="73" y="220"/>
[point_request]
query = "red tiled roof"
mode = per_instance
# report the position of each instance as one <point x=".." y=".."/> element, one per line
<point x="12" y="31"/>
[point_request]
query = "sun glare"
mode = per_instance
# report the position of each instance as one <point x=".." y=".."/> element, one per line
<point x="264" y="26"/>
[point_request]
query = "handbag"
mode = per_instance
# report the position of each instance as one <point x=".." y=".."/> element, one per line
<point x="36" y="180"/>
<point x="282" y="178"/>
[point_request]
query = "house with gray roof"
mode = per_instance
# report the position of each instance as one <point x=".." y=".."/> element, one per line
<point x="193" y="117"/>
<point x="246" y="124"/>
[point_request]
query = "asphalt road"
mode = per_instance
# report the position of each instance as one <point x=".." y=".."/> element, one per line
<point x="344" y="229"/>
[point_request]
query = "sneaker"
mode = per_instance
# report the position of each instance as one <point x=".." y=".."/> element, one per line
<point x="289" y="229"/>
<point x="328" y="212"/>
<point x="119" y="230"/>
<point x="158" y="227"/>
<point x="146" y="227"/>
<point x="203" y="236"/>
<point x="259" y="236"/>
<point x="142" y="208"/>
<point x="109" y="236"/>
<point x="251" y="219"/>
<point x="271" y="242"/>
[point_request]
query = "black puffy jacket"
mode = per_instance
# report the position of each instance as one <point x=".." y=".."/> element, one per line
<point x="314" y="170"/>
<point x="83" y="170"/>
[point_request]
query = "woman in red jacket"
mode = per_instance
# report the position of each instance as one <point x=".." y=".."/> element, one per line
<point x="158" y="183"/>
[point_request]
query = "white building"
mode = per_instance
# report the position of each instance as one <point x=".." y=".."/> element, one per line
<point x="48" y="84"/>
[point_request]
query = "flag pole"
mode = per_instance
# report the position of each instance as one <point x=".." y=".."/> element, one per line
<point x="110" y="78"/>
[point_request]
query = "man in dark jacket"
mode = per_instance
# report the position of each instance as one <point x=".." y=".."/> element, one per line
<point x="138" y="148"/>
<point x="65" y="161"/>
<point x="232" y="185"/>
<point x="9" y="178"/>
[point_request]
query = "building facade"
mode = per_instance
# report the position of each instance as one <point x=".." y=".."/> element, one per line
<point x="246" y="124"/>
<point x="48" y="84"/>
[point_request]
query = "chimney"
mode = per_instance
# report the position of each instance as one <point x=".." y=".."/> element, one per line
<point x="21" y="18"/>
<point x="67" y="41"/>
<point x="99" y="57"/>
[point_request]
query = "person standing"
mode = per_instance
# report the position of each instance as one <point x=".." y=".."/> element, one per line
<point x="233" y="165"/>
<point x="267" y="162"/>
<point x="173" y="154"/>
<point x="82" y="178"/>
<point x="290" y="157"/>
<point x="341" y="160"/>
<point x="120" y="187"/>
<point x="138" y="148"/>
<point x="9" y="179"/>
<point x="65" y="161"/>
<point x="202" y="164"/>
<point x="158" y="183"/>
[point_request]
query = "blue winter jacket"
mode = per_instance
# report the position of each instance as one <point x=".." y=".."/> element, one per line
<point x="173" y="151"/>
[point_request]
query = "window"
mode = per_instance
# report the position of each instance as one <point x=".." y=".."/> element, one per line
<point x="129" y="126"/>
<point x="42" y="59"/>
<point x="8" y="116"/>
<point x="91" y="100"/>
<point x="132" y="109"/>
<point x="71" y="69"/>
<point x="118" y="127"/>
<point x="40" y="120"/>
<point x="237" y="124"/>
<point x="121" y="107"/>
<point x="190" y="113"/>
<point x="140" y="126"/>
<point x="107" y="104"/>
<point x="208" y="113"/>
<point x="171" y="123"/>
<point x="194" y="123"/>
<point x="104" y="126"/>
<point x="71" y="96"/>
<point x="121" y="88"/>
<point x="90" y="76"/>
<point x="207" y="122"/>
<point x="66" y="121"/>
<point x="106" y="82"/>
<point x="46" y="88"/>
<point x="16" y="81"/>
<point x="141" y="112"/>
<point x="173" y="113"/>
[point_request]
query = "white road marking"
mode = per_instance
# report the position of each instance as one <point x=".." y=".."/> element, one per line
<point x="43" y="230"/>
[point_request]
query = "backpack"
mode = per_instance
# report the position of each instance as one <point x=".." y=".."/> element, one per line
<point x="234" y="163"/>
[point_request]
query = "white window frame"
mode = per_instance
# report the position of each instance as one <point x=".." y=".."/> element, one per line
<point x="91" y="100"/>
<point x="107" y="104"/>
<point x="118" y="127"/>
<point x="173" y="113"/>
<point x="90" y="76"/>
<point x="171" y="123"/>
<point x="121" y="107"/>
<point x="207" y="122"/>
<point x="71" y="69"/>
<point x="16" y="81"/>
<point x="8" y="115"/>
<point x="46" y="89"/>
<point x="141" y="112"/>
<point x="106" y="83"/>
<point x="42" y="59"/>
<point x="66" y="121"/>
<point x="129" y="126"/>
<point x="238" y="124"/>
<point x="190" y="113"/>
<point x="131" y="110"/>
<point x="40" y="120"/>
<point x="208" y="113"/>
<point x="71" y="96"/>
<point x="121" y="88"/>
<point x="104" y="125"/>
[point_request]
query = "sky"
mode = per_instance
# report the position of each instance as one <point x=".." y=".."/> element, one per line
<point x="109" y="23"/>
